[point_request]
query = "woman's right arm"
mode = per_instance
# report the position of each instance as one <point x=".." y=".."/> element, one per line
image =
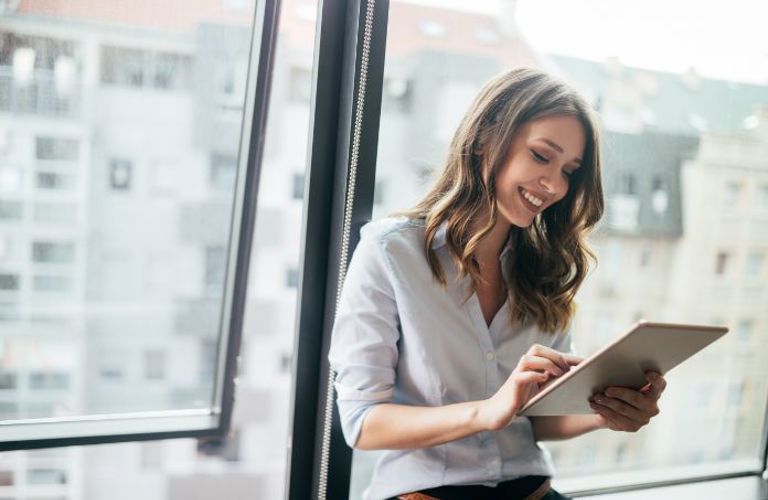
<point x="393" y="426"/>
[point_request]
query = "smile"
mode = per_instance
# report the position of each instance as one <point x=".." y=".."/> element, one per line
<point x="530" y="201"/>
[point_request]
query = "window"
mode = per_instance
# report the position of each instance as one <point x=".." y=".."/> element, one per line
<point x="754" y="267"/>
<point x="50" y="283"/>
<point x="292" y="278"/>
<point x="141" y="68"/>
<point x="721" y="263"/>
<point x="120" y="171"/>
<point x="671" y="241"/>
<point x="55" y="148"/>
<point x="762" y="196"/>
<point x="82" y="337"/>
<point x="298" y="186"/>
<point x="51" y="252"/>
<point x="744" y="331"/>
<point x="215" y="260"/>
<point x="46" y="476"/>
<point x="7" y="381"/>
<point x="732" y="194"/>
<point x="54" y="180"/>
<point x="54" y="213"/>
<point x="9" y="281"/>
<point x="48" y="380"/>
<point x="11" y="210"/>
<point x="627" y="184"/>
<point x="223" y="170"/>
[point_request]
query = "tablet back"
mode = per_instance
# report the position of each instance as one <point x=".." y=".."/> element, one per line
<point x="647" y="346"/>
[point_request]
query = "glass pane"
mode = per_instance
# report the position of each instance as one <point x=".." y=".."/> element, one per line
<point x="684" y="119"/>
<point x="151" y="209"/>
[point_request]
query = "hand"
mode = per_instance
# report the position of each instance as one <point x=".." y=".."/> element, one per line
<point x="623" y="409"/>
<point x="536" y="367"/>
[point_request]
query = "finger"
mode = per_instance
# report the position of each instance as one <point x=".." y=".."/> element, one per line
<point x="658" y="384"/>
<point x="620" y="421"/>
<point x="573" y="359"/>
<point x="536" y="363"/>
<point x="530" y="377"/>
<point x="637" y="399"/>
<point x="621" y="408"/>
<point x="556" y="357"/>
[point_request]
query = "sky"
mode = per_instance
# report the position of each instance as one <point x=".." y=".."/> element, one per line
<point x="725" y="40"/>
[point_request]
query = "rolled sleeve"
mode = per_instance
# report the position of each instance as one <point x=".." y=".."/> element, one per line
<point x="363" y="350"/>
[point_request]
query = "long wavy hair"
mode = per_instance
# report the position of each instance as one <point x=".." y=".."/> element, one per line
<point x="550" y="258"/>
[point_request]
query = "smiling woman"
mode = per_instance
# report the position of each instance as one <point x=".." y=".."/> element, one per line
<point x="476" y="283"/>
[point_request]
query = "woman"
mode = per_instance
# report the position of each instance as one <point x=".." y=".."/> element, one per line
<point x="455" y="312"/>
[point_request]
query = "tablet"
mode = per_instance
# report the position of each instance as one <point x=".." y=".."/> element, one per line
<point x="646" y="346"/>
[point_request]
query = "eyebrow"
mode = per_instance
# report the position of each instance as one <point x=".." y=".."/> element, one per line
<point x="557" y="147"/>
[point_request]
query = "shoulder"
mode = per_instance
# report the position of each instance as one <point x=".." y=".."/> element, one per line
<point x="394" y="230"/>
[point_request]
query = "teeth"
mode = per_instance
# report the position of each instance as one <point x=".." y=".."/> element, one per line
<point x="528" y="196"/>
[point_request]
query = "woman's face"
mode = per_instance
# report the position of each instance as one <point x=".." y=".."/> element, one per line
<point x="544" y="154"/>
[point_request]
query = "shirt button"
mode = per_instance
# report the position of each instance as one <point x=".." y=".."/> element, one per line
<point x="489" y="356"/>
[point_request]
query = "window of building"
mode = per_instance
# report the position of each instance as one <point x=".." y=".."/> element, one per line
<point x="292" y="277"/>
<point x="120" y="173"/>
<point x="223" y="172"/>
<point x="11" y="210"/>
<point x="7" y="380"/>
<point x="298" y="187"/>
<point x="54" y="180"/>
<point x="762" y="196"/>
<point x="754" y="267"/>
<point x="721" y="263"/>
<point x="49" y="380"/>
<point x="46" y="476"/>
<point x="141" y="68"/>
<point x="732" y="194"/>
<point x="51" y="252"/>
<point x="54" y="213"/>
<point x="215" y="262"/>
<point x="744" y="330"/>
<point x="51" y="283"/>
<point x="56" y="148"/>
<point x="9" y="281"/>
<point x="627" y="184"/>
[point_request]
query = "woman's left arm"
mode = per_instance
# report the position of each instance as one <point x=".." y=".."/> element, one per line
<point x="618" y="409"/>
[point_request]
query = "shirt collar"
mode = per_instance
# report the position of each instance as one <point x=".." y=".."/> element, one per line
<point x="440" y="239"/>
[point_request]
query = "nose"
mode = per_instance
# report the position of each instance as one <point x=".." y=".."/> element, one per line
<point x="554" y="183"/>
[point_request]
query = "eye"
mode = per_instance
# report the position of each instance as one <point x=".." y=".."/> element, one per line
<point x="567" y="174"/>
<point x="539" y="158"/>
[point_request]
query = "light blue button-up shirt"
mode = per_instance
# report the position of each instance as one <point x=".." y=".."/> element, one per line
<point x="401" y="338"/>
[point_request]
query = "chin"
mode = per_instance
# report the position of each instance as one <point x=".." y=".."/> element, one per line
<point x="517" y="221"/>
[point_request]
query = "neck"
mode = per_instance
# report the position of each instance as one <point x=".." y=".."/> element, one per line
<point x="490" y="247"/>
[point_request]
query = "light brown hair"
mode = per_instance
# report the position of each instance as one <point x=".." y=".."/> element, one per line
<point x="550" y="259"/>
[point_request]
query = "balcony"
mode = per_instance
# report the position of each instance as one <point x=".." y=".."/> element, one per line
<point x="40" y="95"/>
